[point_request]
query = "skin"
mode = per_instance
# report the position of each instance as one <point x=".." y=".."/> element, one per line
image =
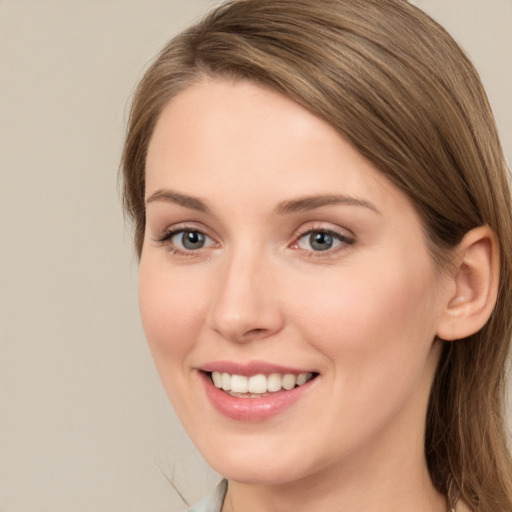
<point x="363" y="314"/>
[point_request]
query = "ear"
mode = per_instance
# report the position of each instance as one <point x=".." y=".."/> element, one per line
<point x="475" y="279"/>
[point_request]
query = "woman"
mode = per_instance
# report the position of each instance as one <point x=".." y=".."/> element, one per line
<point x="323" y="221"/>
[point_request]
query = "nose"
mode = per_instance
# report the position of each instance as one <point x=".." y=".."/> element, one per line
<point x="245" y="305"/>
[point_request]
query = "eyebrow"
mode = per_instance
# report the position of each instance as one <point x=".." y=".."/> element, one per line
<point x="193" y="203"/>
<point x="286" y="207"/>
<point x="318" y="201"/>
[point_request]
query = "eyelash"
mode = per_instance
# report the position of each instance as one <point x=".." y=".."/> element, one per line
<point x="167" y="236"/>
<point x="345" y="241"/>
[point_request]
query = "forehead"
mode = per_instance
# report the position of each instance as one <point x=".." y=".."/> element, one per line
<point x="241" y="131"/>
<point x="216" y="112"/>
<point x="243" y="150"/>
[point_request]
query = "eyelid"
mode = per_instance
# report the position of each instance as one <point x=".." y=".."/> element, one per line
<point x="160" y="235"/>
<point x="165" y="238"/>
<point x="345" y="236"/>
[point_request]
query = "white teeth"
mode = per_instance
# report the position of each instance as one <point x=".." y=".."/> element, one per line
<point x="226" y="381"/>
<point x="289" y="381"/>
<point x="239" y="383"/>
<point x="217" y="379"/>
<point x="302" y="379"/>
<point x="274" y="382"/>
<point x="259" y="384"/>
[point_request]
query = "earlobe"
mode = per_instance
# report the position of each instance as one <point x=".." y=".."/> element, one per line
<point x="475" y="280"/>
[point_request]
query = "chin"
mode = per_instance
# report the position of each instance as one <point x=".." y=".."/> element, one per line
<point x="258" y="464"/>
<point x="257" y="474"/>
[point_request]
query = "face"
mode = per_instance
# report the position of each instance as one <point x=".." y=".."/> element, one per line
<point x="280" y="264"/>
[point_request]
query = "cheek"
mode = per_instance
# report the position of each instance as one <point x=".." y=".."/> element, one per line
<point x="375" y="330"/>
<point x="363" y="319"/>
<point x="171" y="310"/>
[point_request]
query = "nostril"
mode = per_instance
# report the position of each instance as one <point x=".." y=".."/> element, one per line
<point x="255" y="334"/>
<point x="255" y="331"/>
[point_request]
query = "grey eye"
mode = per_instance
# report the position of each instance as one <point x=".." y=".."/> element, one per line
<point x="190" y="240"/>
<point x="321" y="241"/>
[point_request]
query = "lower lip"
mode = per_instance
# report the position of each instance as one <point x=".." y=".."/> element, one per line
<point x="252" y="409"/>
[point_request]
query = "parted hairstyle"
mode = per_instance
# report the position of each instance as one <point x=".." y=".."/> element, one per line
<point x="401" y="91"/>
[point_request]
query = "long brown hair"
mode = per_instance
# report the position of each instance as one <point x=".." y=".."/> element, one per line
<point x="396" y="85"/>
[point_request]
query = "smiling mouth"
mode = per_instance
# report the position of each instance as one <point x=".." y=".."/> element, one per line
<point x="260" y="385"/>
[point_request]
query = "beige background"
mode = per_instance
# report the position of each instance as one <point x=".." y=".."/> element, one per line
<point x="84" y="424"/>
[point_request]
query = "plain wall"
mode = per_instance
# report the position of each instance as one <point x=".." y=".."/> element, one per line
<point x="84" y="423"/>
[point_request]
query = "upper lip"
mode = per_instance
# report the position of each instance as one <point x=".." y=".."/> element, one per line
<point x="250" y="368"/>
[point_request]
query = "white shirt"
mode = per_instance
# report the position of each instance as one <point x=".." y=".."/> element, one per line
<point x="213" y="502"/>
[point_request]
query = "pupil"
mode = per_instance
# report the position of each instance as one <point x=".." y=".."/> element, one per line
<point x="320" y="241"/>
<point x="193" y="240"/>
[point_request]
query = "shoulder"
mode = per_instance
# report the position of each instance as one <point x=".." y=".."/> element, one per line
<point x="214" y="501"/>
